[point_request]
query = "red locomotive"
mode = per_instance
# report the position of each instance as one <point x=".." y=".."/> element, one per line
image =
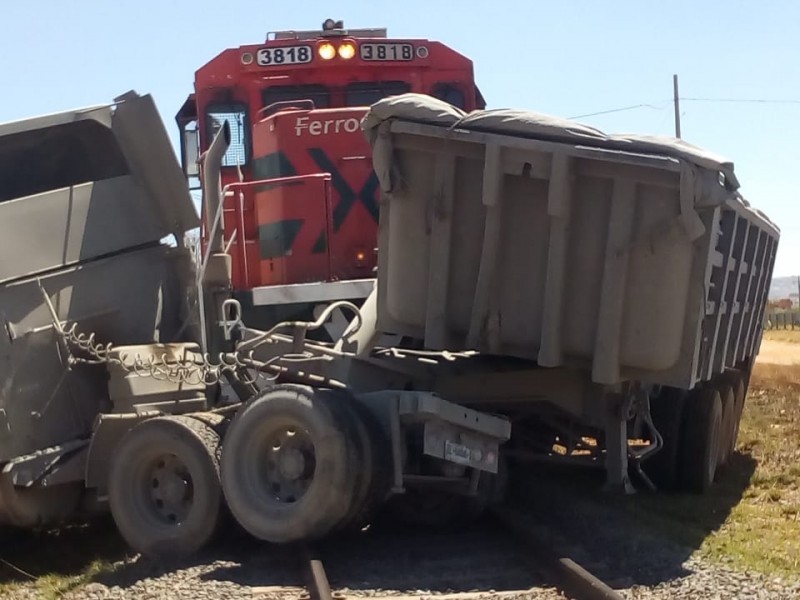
<point x="305" y="234"/>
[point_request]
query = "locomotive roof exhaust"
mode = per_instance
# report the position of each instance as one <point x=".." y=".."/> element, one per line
<point x="330" y="28"/>
<point x="330" y="24"/>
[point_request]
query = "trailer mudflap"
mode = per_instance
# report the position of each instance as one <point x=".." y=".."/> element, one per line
<point x="109" y="429"/>
<point x="455" y="433"/>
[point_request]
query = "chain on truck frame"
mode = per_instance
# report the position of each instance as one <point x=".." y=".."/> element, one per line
<point x="201" y="368"/>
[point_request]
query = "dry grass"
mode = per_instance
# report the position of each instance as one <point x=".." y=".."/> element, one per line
<point x="750" y="519"/>
<point x="783" y="335"/>
<point x="763" y="530"/>
<point x="49" y="564"/>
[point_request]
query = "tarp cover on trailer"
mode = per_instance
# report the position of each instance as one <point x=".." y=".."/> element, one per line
<point x="520" y="234"/>
<point x="425" y="109"/>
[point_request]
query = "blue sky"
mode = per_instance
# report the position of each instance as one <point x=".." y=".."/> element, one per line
<point x="566" y="58"/>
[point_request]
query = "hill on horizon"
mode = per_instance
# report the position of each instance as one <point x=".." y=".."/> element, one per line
<point x="783" y="287"/>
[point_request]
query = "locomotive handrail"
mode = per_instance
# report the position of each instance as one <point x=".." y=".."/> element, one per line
<point x="269" y="109"/>
<point x="240" y="186"/>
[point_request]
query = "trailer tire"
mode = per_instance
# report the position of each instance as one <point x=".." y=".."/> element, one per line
<point x="727" y="424"/>
<point x="701" y="439"/>
<point x="288" y="467"/>
<point x="666" y="409"/>
<point x="374" y="472"/>
<point x="737" y="381"/>
<point x="164" y="489"/>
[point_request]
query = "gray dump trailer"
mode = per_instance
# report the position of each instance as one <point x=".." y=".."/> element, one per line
<point x="628" y="269"/>
<point x="557" y="294"/>
<point x="85" y="198"/>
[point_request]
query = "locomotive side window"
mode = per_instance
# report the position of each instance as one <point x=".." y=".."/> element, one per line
<point x="237" y="120"/>
<point x="319" y="94"/>
<point x="450" y="93"/>
<point x="366" y="93"/>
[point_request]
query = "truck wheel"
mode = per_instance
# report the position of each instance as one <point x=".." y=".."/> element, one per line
<point x="667" y="411"/>
<point x="737" y="382"/>
<point x="164" y="489"/>
<point x="288" y="468"/>
<point x="727" y="424"/>
<point x="373" y="473"/>
<point x="701" y="438"/>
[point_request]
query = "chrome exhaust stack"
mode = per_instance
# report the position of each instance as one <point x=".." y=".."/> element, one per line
<point x="214" y="275"/>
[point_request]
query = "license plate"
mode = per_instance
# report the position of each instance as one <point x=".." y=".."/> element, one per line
<point x="387" y="52"/>
<point x="284" y="55"/>
<point x="457" y="453"/>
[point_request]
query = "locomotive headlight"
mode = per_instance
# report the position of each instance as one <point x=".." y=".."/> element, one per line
<point x="361" y="258"/>
<point x="347" y="50"/>
<point x="326" y="51"/>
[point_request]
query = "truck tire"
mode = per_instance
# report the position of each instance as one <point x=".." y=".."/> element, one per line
<point x="727" y="424"/>
<point x="701" y="438"/>
<point x="373" y="474"/>
<point x="164" y="489"/>
<point x="666" y="409"/>
<point x="737" y="382"/>
<point x="288" y="467"/>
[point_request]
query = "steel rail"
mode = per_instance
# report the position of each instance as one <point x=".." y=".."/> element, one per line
<point x="571" y="578"/>
<point x="319" y="588"/>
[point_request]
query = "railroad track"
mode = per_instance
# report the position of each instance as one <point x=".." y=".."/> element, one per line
<point x="570" y="577"/>
<point x="319" y="588"/>
<point x="551" y="568"/>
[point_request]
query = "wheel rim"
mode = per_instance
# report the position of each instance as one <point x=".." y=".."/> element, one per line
<point x="283" y="463"/>
<point x="164" y="490"/>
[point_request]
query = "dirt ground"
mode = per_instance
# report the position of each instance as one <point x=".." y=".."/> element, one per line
<point x="785" y="350"/>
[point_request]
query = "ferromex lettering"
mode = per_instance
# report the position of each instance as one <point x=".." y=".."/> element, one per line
<point x="324" y="127"/>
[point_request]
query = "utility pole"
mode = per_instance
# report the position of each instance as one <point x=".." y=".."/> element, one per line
<point x="677" y="102"/>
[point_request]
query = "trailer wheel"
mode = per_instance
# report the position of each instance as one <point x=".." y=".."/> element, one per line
<point x="288" y="468"/>
<point x="737" y="382"/>
<point x="727" y="424"/>
<point x="701" y="439"/>
<point x="666" y="410"/>
<point x="164" y="489"/>
<point x="374" y="471"/>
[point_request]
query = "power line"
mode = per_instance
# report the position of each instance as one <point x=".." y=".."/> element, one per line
<point x="688" y="99"/>
<point x="615" y="110"/>
<point x="742" y="100"/>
